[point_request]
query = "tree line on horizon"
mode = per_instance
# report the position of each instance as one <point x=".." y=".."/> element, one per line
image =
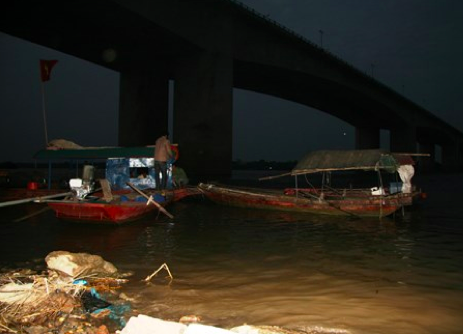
<point x="263" y="165"/>
<point x="236" y="165"/>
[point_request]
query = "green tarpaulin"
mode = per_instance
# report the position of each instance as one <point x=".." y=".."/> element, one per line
<point x="96" y="153"/>
<point x="332" y="160"/>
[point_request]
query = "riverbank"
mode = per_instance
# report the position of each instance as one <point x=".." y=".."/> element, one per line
<point x="83" y="293"/>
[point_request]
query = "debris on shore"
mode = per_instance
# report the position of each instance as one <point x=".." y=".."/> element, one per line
<point x="78" y="294"/>
<point x="64" y="299"/>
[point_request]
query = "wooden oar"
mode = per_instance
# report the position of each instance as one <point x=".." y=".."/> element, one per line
<point x="150" y="200"/>
<point x="33" y="199"/>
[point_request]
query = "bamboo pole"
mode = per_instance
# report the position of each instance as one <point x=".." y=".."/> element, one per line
<point x="33" y="199"/>
<point x="271" y="177"/>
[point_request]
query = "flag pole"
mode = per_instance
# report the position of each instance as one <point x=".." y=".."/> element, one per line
<point x="45" y="72"/>
<point x="44" y="114"/>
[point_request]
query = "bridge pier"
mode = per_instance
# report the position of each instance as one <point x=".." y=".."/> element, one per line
<point x="427" y="164"/>
<point x="143" y="109"/>
<point x="367" y="138"/>
<point x="203" y="120"/>
<point x="451" y="157"/>
<point x="403" y="139"/>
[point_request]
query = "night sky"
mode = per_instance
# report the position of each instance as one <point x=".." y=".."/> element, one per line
<point x="413" y="46"/>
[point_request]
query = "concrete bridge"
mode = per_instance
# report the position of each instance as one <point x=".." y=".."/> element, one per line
<point x="209" y="47"/>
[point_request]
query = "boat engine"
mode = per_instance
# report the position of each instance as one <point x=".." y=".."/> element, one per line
<point x="82" y="187"/>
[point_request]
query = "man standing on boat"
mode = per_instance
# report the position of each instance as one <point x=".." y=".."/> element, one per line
<point x="162" y="153"/>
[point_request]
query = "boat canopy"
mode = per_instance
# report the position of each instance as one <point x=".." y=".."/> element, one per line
<point x="337" y="160"/>
<point x="96" y="153"/>
<point x="123" y="164"/>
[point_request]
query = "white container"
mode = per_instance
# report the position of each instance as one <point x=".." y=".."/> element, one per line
<point x="377" y="191"/>
<point x="75" y="183"/>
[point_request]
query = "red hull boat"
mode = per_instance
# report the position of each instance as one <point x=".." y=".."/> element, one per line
<point x="270" y="199"/>
<point x="117" y="211"/>
<point x="100" y="211"/>
<point x="379" y="201"/>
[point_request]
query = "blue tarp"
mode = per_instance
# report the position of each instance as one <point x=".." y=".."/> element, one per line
<point x="139" y="171"/>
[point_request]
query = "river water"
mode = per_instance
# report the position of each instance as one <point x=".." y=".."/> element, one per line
<point x="235" y="266"/>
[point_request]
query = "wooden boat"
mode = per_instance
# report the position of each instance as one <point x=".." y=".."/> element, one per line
<point x="370" y="201"/>
<point x="100" y="211"/>
<point x="258" y="198"/>
<point x="58" y="165"/>
<point x="121" y="208"/>
<point x="119" y="164"/>
<point x="127" y="187"/>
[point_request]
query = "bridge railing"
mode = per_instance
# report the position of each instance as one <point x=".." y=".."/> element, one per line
<point x="294" y="34"/>
<point x="254" y="12"/>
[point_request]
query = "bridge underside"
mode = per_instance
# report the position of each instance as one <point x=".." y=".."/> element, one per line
<point x="147" y="55"/>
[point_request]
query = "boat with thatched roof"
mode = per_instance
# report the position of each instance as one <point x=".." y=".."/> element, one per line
<point x="381" y="199"/>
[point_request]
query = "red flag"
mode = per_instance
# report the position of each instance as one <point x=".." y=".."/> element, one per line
<point x="45" y="68"/>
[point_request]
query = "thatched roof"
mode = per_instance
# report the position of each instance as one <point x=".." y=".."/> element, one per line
<point x="333" y="160"/>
